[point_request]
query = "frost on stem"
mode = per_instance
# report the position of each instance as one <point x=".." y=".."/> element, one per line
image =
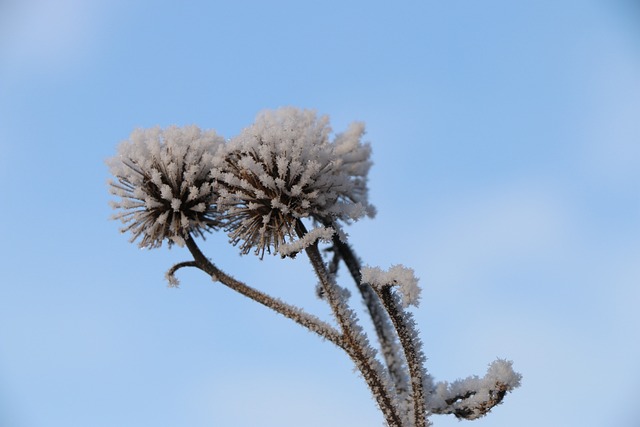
<point x="356" y="341"/>
<point x="170" y="275"/>
<point x="474" y="397"/>
<point x="162" y="177"/>
<point x="396" y="306"/>
<point x="398" y="275"/>
<point x="284" y="168"/>
<point x="177" y="183"/>
<point x="321" y="233"/>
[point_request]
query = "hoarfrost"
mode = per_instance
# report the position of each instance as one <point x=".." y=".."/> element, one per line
<point x="178" y="183"/>
<point x="321" y="233"/>
<point x="162" y="177"/>
<point x="398" y="275"/>
<point x="284" y="167"/>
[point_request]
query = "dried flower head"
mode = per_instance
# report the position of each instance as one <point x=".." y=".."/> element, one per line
<point x="284" y="168"/>
<point x="164" y="184"/>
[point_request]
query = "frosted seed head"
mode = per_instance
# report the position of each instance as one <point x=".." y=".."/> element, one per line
<point x="157" y="175"/>
<point x="289" y="169"/>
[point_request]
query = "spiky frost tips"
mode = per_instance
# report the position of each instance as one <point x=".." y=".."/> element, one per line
<point x="284" y="168"/>
<point x="164" y="184"/>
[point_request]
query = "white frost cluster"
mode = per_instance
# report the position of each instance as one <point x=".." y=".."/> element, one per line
<point x="257" y="186"/>
<point x="473" y="397"/>
<point x="284" y="168"/>
<point x="319" y="233"/>
<point x="164" y="184"/>
<point x="398" y="275"/>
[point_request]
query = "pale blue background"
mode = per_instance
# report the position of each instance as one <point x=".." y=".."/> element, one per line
<point x="506" y="144"/>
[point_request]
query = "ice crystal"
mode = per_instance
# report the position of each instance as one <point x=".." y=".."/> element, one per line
<point x="321" y="233"/>
<point x="473" y="397"/>
<point x="162" y="177"/>
<point x="398" y="275"/>
<point x="284" y="168"/>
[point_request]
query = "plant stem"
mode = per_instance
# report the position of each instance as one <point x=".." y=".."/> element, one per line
<point x="296" y="314"/>
<point x="356" y="346"/>
<point x="412" y="349"/>
<point x="380" y="318"/>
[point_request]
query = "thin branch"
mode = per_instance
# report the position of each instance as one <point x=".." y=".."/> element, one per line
<point x="357" y="346"/>
<point x="170" y="275"/>
<point x="387" y="337"/>
<point x="463" y="407"/>
<point x="403" y="322"/>
<point x="474" y="397"/>
<point x="296" y="314"/>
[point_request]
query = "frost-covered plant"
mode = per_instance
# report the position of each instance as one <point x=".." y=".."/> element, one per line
<point x="164" y="183"/>
<point x="264" y="188"/>
<point x="284" y="168"/>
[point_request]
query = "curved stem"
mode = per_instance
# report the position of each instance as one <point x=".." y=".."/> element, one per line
<point x="462" y="405"/>
<point x="356" y="343"/>
<point x="474" y="397"/>
<point x="296" y="314"/>
<point x="171" y="273"/>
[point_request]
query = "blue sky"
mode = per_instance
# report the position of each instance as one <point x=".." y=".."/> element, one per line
<point x="507" y="174"/>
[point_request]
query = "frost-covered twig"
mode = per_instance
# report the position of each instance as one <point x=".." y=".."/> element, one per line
<point x="404" y="324"/>
<point x="171" y="273"/>
<point x="296" y="314"/>
<point x="320" y="233"/>
<point x="474" y="397"/>
<point x="357" y="344"/>
<point x="387" y="337"/>
<point x="412" y="347"/>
